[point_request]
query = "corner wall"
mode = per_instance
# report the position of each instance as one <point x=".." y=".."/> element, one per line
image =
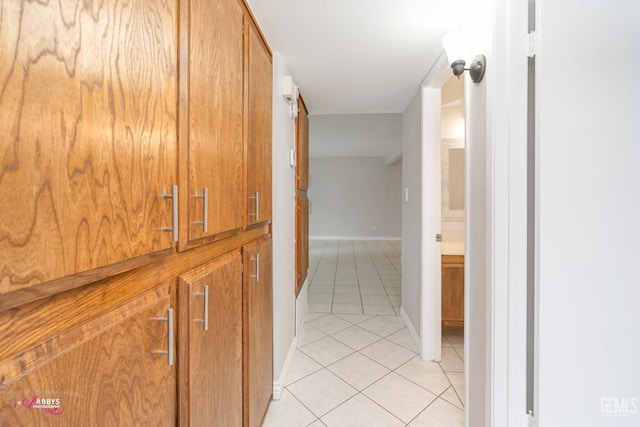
<point x="283" y="228"/>
<point x="588" y="277"/>
<point x="412" y="211"/>
<point x="355" y="197"/>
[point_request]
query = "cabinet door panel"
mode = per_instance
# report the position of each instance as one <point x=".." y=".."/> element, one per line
<point x="453" y="290"/>
<point x="120" y="376"/>
<point x="258" y="331"/>
<point x="87" y="106"/>
<point x="302" y="147"/>
<point x="211" y="363"/>
<point x="302" y="240"/>
<point x="212" y="119"/>
<point x="260" y="83"/>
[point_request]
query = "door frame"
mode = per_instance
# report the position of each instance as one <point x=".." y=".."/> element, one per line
<point x="430" y="266"/>
<point x="495" y="364"/>
<point x="507" y="214"/>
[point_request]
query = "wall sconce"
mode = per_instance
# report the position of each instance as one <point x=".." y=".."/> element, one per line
<point x="457" y="50"/>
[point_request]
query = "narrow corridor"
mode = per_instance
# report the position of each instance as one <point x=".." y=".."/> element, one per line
<point x="356" y="363"/>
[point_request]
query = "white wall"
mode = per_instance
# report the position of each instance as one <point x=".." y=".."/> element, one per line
<point x="283" y="226"/>
<point x="354" y="135"/>
<point x="355" y="197"/>
<point x="453" y="126"/>
<point x="588" y="136"/>
<point x="476" y="245"/>
<point x="412" y="211"/>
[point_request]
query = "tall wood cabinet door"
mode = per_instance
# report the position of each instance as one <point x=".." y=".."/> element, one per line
<point x="210" y="343"/>
<point x="302" y="239"/>
<point x="302" y="147"/>
<point x="113" y="371"/>
<point x="453" y="290"/>
<point x="259" y="123"/>
<point x="211" y="107"/>
<point x="88" y="142"/>
<point x="258" y="330"/>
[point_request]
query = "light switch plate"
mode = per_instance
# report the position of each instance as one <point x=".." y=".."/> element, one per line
<point x="292" y="158"/>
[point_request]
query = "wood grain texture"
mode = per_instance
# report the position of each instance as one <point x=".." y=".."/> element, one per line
<point x="211" y="117"/>
<point x="87" y="108"/>
<point x="210" y="366"/>
<point x="25" y="327"/>
<point x="258" y="331"/>
<point x="453" y="290"/>
<point x="258" y="117"/>
<point x="302" y="146"/>
<point x="302" y="239"/>
<point x="112" y="378"/>
<point x="302" y="200"/>
<point x="52" y="287"/>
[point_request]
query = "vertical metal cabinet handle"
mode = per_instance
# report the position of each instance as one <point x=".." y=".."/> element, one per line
<point x="204" y="294"/>
<point x="205" y="220"/>
<point x="174" y="201"/>
<point x="175" y="213"/>
<point x="206" y="308"/>
<point x="205" y="209"/>
<point x="257" y="275"/>
<point x="257" y="206"/>
<point x="171" y="337"/>
<point x="169" y="351"/>
<point x="257" y="212"/>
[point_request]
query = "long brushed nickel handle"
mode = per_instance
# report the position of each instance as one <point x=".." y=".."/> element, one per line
<point x="174" y="201"/>
<point x="257" y="212"/>
<point x="205" y="209"/>
<point x="257" y="275"/>
<point x="204" y="294"/>
<point x="169" y="352"/>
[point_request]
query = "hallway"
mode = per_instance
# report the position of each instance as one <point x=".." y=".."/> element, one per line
<point x="355" y="277"/>
<point x="356" y="363"/>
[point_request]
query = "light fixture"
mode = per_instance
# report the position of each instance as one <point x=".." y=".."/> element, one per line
<point x="457" y="49"/>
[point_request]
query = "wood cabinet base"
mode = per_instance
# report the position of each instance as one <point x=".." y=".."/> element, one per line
<point x="453" y="290"/>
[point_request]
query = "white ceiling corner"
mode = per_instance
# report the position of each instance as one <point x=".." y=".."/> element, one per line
<point x="358" y="56"/>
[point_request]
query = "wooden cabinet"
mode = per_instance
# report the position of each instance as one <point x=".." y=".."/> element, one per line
<point x="258" y="122"/>
<point x="210" y="343"/>
<point x="111" y="370"/>
<point x="89" y="144"/>
<point x="302" y="147"/>
<point x="302" y="240"/>
<point x="453" y="290"/>
<point x="115" y="139"/>
<point x="302" y="200"/>
<point x="258" y="330"/>
<point x="211" y="120"/>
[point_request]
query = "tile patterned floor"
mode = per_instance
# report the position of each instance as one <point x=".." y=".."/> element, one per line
<point x="355" y="277"/>
<point x="360" y="367"/>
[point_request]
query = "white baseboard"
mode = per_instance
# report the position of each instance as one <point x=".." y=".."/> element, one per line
<point x="278" y="385"/>
<point x="354" y="238"/>
<point x="412" y="331"/>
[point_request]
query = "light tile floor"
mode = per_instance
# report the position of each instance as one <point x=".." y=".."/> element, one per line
<point x="360" y="367"/>
<point x="355" y="277"/>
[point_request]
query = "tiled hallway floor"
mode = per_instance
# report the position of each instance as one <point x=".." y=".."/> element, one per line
<point x="354" y="277"/>
<point x="361" y="368"/>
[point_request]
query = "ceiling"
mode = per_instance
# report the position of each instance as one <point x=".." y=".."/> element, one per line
<point x="358" y="56"/>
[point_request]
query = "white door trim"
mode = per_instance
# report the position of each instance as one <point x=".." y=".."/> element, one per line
<point x="507" y="203"/>
<point x="431" y="307"/>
